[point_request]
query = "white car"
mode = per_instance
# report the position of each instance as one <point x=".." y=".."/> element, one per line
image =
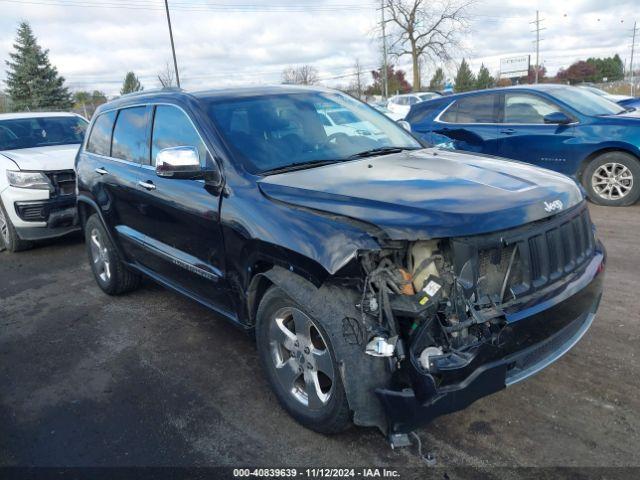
<point x="341" y="120"/>
<point x="401" y="104"/>
<point x="37" y="178"/>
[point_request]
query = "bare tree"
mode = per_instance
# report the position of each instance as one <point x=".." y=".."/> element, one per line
<point x="301" y="75"/>
<point x="167" y="77"/>
<point x="426" y="29"/>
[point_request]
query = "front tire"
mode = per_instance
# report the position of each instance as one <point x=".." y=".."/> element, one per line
<point x="111" y="274"/>
<point x="613" y="179"/>
<point x="298" y="358"/>
<point x="9" y="238"/>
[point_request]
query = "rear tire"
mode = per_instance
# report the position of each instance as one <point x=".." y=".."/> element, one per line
<point x="9" y="238"/>
<point x="297" y="356"/>
<point x="613" y="179"/>
<point x="111" y="274"/>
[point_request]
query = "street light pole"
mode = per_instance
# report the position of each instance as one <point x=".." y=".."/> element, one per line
<point x="173" y="48"/>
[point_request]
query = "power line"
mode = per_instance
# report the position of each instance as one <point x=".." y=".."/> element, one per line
<point x="151" y="5"/>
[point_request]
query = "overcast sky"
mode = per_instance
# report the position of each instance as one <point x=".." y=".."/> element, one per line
<point x="93" y="43"/>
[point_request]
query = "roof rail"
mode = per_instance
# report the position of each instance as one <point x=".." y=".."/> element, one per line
<point x="153" y="90"/>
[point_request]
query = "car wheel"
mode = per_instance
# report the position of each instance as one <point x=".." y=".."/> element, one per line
<point x="613" y="179"/>
<point x="297" y="356"/>
<point x="110" y="272"/>
<point x="8" y="236"/>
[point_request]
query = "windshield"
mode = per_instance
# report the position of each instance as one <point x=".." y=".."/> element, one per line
<point x="586" y="102"/>
<point x="276" y="131"/>
<point x="41" y="132"/>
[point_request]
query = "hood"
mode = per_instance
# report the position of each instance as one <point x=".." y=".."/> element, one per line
<point x="56" y="157"/>
<point x="429" y="193"/>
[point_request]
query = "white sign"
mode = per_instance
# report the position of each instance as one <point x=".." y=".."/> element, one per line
<point x="513" y="67"/>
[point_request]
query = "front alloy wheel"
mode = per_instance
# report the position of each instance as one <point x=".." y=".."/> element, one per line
<point x="297" y="356"/>
<point x="301" y="359"/>
<point x="4" y="230"/>
<point x="612" y="181"/>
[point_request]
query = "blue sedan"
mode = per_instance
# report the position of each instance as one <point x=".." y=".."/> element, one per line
<point x="567" y="129"/>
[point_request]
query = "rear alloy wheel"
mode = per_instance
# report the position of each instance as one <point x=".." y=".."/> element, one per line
<point x="297" y="356"/>
<point x="613" y="179"/>
<point x="111" y="274"/>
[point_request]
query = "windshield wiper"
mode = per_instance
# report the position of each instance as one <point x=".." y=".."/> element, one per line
<point x="299" y="166"/>
<point x="378" y="151"/>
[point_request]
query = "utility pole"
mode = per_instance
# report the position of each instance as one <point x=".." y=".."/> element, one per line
<point x="173" y="48"/>
<point x="633" y="46"/>
<point x="358" y="80"/>
<point x="537" y="22"/>
<point x="385" y="80"/>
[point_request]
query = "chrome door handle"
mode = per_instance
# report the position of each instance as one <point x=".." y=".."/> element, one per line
<point x="101" y="171"/>
<point x="508" y="131"/>
<point x="147" y="185"/>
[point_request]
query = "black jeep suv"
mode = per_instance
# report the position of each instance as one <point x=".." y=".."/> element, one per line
<point x="386" y="283"/>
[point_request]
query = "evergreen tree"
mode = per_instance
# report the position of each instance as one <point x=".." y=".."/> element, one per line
<point x="465" y="80"/>
<point x="484" y="80"/>
<point x="32" y="82"/>
<point x="437" y="81"/>
<point x="131" y="84"/>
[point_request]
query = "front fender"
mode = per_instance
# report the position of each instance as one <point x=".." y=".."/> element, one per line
<point x="335" y="309"/>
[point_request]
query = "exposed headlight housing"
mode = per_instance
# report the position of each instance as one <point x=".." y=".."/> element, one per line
<point x="33" y="180"/>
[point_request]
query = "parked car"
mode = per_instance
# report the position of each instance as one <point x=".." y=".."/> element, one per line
<point x="386" y="284"/>
<point x="567" y="129"/>
<point x="37" y="181"/>
<point x="400" y="104"/>
<point x="341" y="120"/>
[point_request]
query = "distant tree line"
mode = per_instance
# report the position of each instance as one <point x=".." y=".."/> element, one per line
<point x="593" y="70"/>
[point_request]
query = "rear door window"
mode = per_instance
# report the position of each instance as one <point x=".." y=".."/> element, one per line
<point x="475" y="109"/>
<point x="100" y="138"/>
<point x="130" y="135"/>
<point x="172" y="128"/>
<point x="525" y="108"/>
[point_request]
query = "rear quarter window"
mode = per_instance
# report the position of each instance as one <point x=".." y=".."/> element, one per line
<point x="425" y="110"/>
<point x="99" y="141"/>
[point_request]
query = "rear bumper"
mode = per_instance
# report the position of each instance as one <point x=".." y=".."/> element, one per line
<point x="534" y="337"/>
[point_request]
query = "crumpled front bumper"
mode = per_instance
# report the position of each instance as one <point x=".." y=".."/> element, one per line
<point x="535" y="337"/>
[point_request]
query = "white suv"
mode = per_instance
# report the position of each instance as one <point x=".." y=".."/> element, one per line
<point x="37" y="180"/>
<point x="401" y="104"/>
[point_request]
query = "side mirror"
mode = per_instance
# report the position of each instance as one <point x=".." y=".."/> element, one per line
<point x="557" y="118"/>
<point x="179" y="162"/>
<point x="404" y="124"/>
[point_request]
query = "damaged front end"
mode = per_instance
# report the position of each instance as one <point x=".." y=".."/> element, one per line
<point x="458" y="319"/>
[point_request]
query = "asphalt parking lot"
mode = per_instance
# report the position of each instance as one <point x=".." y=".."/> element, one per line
<point x="154" y="379"/>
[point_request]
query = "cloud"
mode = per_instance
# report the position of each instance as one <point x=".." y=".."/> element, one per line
<point x="219" y="46"/>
